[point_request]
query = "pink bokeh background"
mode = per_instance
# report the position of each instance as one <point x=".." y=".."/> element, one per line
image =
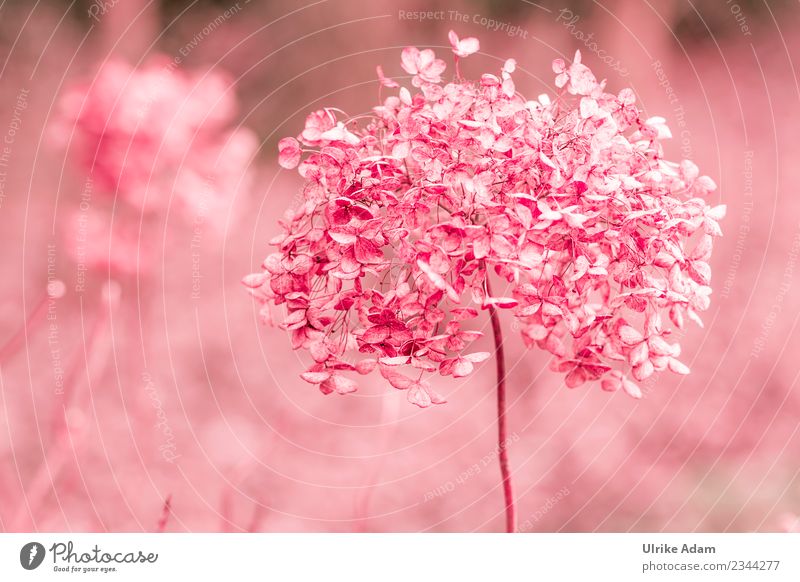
<point x="149" y="397"/>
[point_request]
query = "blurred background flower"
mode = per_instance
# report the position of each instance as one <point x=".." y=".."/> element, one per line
<point x="150" y="129"/>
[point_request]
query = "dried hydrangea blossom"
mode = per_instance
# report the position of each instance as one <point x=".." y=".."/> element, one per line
<point x="150" y="138"/>
<point x="568" y="201"/>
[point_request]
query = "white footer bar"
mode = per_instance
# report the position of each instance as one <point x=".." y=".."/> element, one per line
<point x="401" y="557"/>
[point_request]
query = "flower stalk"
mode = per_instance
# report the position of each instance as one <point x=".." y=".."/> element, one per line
<point x="502" y="429"/>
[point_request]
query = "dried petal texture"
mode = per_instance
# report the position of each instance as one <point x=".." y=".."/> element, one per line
<point x="465" y="46"/>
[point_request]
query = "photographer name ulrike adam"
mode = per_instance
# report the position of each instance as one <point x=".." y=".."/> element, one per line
<point x="685" y="549"/>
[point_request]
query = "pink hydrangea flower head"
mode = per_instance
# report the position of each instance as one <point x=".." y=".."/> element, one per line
<point x="150" y="134"/>
<point x="599" y="244"/>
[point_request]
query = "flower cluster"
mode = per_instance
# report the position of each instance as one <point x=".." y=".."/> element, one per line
<point x="598" y="241"/>
<point x="150" y="138"/>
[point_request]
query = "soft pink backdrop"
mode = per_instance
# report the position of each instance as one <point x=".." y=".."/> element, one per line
<point x="165" y="367"/>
